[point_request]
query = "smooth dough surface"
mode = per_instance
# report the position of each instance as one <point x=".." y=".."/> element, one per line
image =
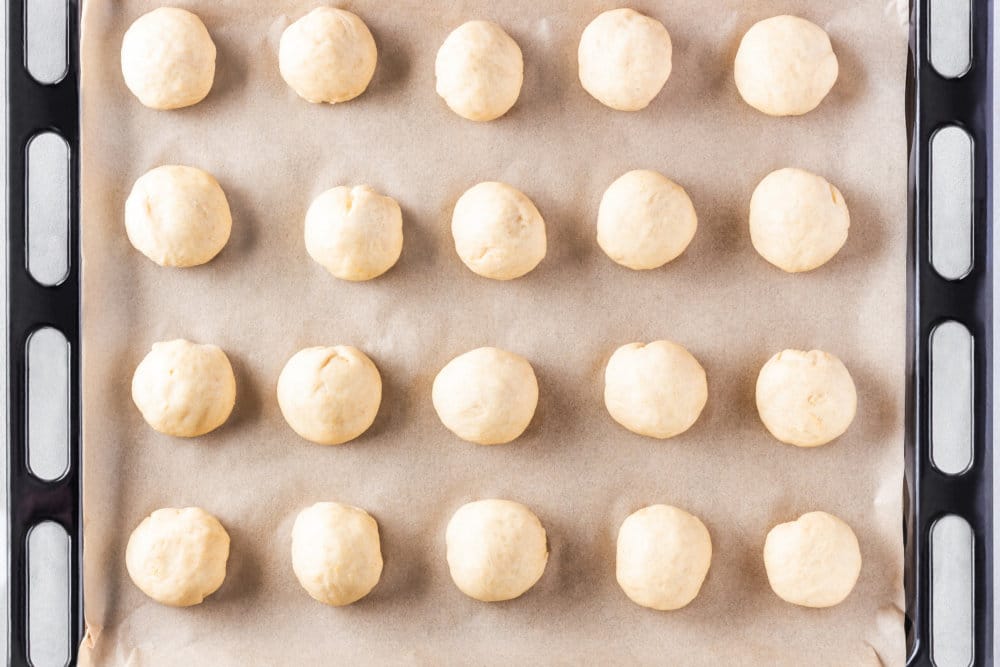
<point x="178" y="556"/>
<point x="336" y="554"/>
<point x="656" y="389"/>
<point x="168" y="59"/>
<point x="645" y="220"/>
<point x="496" y="549"/>
<point x="184" y="389"/>
<point x="663" y="557"/>
<point x="813" y="561"/>
<point x="479" y="71"/>
<point x="806" y="399"/>
<point x="329" y="395"/>
<point x="178" y="216"/>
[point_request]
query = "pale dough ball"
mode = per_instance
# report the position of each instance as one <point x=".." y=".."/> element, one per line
<point x="479" y="71"/>
<point x="329" y="395"/>
<point x="798" y="220"/>
<point x="496" y="549"/>
<point x="806" y="398"/>
<point x="178" y="556"/>
<point x="487" y="396"/>
<point x="813" y="561"/>
<point x="645" y="220"/>
<point x="336" y="554"/>
<point x="328" y="55"/>
<point x="498" y="231"/>
<point x="656" y="389"/>
<point x="624" y="59"/>
<point x="178" y="216"/>
<point x="168" y="59"/>
<point x="785" y="66"/>
<point x="354" y="233"/>
<point x="663" y="557"/>
<point x="184" y="389"/>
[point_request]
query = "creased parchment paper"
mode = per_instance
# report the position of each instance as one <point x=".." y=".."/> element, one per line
<point x="262" y="299"/>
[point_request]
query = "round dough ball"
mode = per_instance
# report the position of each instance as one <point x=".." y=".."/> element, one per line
<point x="184" y="389"/>
<point x="785" y="66"/>
<point x="354" y="233"/>
<point x="806" y="399"/>
<point x="624" y="58"/>
<point x="178" y="556"/>
<point x="328" y="55"/>
<point x="645" y="220"/>
<point x="178" y="216"/>
<point x="657" y="389"/>
<point x="336" y="554"/>
<point x="487" y="396"/>
<point x="496" y="549"/>
<point x="329" y="395"/>
<point x="663" y="557"/>
<point x="798" y="220"/>
<point x="813" y="561"/>
<point x="479" y="71"/>
<point x="168" y="59"/>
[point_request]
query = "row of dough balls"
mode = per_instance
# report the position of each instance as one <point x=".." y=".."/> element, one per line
<point x="179" y="216"/>
<point x="488" y="396"/>
<point x="496" y="551"/>
<point x="784" y="66"/>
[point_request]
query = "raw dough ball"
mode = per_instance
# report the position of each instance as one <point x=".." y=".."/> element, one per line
<point x="355" y="233"/>
<point x="785" y="66"/>
<point x="624" y="58"/>
<point x="328" y="55"/>
<point x="663" y="557"/>
<point x="177" y="216"/>
<point x="813" y="561"/>
<point x="336" y="554"/>
<point x="645" y="220"/>
<point x="487" y="396"/>
<point x="657" y="389"/>
<point x="798" y="220"/>
<point x="168" y="59"/>
<point x="178" y="556"/>
<point x="805" y="398"/>
<point x="329" y="395"/>
<point x="184" y="389"/>
<point x="496" y="549"/>
<point x="479" y="71"/>
<point x="498" y="231"/>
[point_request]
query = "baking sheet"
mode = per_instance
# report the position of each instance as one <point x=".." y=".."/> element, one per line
<point x="262" y="299"/>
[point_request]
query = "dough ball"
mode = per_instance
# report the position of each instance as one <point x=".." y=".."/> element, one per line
<point x="328" y="55"/>
<point x="498" y="231"/>
<point x="177" y="216"/>
<point x="184" y="389"/>
<point x="663" y="557"/>
<point x="657" y="389"/>
<point x="785" y="66"/>
<point x="813" y="561"/>
<point x="354" y="233"/>
<point x="487" y="396"/>
<point x="336" y="554"/>
<point x="479" y="71"/>
<point x="168" y="59"/>
<point x="805" y="398"/>
<point x="496" y="549"/>
<point x="329" y="395"/>
<point x="645" y="220"/>
<point x="798" y="221"/>
<point x="624" y="58"/>
<point x="178" y="556"/>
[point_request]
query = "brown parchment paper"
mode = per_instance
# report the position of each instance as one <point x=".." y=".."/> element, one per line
<point x="262" y="299"/>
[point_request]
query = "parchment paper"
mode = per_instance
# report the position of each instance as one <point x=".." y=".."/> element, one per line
<point x="262" y="299"/>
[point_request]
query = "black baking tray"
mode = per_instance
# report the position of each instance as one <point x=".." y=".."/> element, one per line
<point x="933" y="102"/>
